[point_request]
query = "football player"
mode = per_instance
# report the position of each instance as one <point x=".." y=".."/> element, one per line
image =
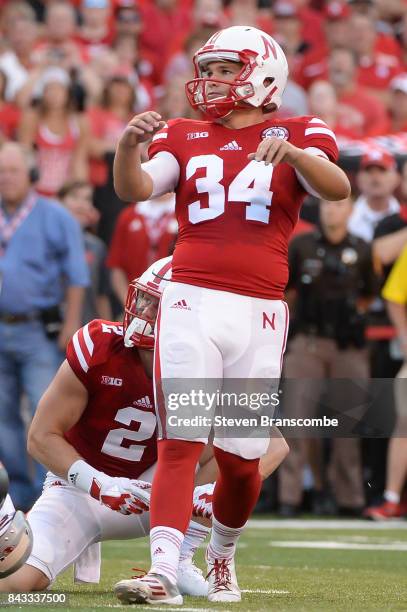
<point x="95" y="430"/>
<point x="240" y="178"/>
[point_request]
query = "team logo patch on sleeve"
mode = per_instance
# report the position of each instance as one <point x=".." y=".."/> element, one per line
<point x="277" y="132"/>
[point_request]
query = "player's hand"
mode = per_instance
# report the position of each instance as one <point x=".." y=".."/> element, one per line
<point x="202" y="501"/>
<point x="141" y="128"/>
<point x="274" y="151"/>
<point x="122" y="494"/>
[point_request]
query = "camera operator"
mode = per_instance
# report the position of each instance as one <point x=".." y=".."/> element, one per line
<point x="331" y="283"/>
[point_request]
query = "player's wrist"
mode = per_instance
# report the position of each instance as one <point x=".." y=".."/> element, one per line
<point x="295" y="156"/>
<point x="82" y="475"/>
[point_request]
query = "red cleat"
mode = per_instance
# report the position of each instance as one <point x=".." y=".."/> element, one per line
<point x="386" y="511"/>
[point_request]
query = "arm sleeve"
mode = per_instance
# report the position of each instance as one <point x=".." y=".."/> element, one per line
<point x="395" y="289"/>
<point x="163" y="165"/>
<point x="164" y="171"/>
<point x="319" y="140"/>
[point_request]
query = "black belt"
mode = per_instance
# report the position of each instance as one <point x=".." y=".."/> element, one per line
<point x="10" y="318"/>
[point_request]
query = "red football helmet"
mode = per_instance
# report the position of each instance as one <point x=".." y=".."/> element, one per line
<point x="142" y="302"/>
<point x="260" y="82"/>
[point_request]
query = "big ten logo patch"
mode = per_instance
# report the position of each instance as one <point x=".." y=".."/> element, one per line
<point x="194" y="135"/>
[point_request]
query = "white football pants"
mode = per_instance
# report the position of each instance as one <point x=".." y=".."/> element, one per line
<point x="216" y="337"/>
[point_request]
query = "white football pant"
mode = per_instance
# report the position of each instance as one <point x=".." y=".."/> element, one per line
<point x="215" y="337"/>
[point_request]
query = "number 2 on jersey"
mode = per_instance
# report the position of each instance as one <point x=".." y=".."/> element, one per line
<point x="252" y="185"/>
<point x="113" y="444"/>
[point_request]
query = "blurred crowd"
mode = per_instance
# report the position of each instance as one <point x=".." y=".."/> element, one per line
<point x="72" y="74"/>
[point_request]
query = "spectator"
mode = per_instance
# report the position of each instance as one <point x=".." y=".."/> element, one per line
<point x="294" y="101"/>
<point x="385" y="41"/>
<point x="393" y="506"/>
<point x="42" y="265"/>
<point x="390" y="235"/>
<point x="107" y="122"/>
<point x="174" y="102"/>
<point x="312" y="30"/>
<point x="375" y="68"/>
<point x="288" y="29"/>
<point x="127" y="19"/>
<point x="377" y="180"/>
<point x="95" y="32"/>
<point x="21" y="33"/>
<point x="358" y="111"/>
<point x="164" y="21"/>
<point x="144" y="233"/>
<point x="58" y="45"/>
<point x="56" y="131"/>
<point x="77" y="198"/>
<point x="398" y="104"/>
<point x="331" y="276"/>
<point x="9" y="113"/>
<point x="130" y="64"/>
<point x="324" y="104"/>
<point x="314" y="64"/>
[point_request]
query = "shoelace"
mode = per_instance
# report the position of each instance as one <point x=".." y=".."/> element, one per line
<point x="222" y="575"/>
<point x="137" y="569"/>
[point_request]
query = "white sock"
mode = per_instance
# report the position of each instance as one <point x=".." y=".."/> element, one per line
<point x="6" y="513"/>
<point x="194" y="536"/>
<point x="223" y="540"/>
<point x="392" y="497"/>
<point x="165" y="543"/>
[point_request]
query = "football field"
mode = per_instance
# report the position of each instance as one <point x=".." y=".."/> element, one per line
<point x="282" y="565"/>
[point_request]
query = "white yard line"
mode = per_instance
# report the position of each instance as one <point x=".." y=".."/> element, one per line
<point x="340" y="546"/>
<point x="266" y="591"/>
<point x="326" y="524"/>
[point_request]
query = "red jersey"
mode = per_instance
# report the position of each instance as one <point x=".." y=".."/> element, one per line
<point x="236" y="216"/>
<point x="117" y="430"/>
<point x="139" y="240"/>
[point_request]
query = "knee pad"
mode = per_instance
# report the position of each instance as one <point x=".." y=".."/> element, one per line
<point x="4" y="484"/>
<point x="15" y="545"/>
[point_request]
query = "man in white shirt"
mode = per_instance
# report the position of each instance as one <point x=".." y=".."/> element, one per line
<point x="377" y="179"/>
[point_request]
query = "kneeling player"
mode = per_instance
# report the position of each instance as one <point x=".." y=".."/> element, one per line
<point x="95" y="430"/>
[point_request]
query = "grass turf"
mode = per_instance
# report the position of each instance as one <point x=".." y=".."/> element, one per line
<point x="277" y="578"/>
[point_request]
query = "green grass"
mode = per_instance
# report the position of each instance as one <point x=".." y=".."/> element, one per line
<point x="298" y="579"/>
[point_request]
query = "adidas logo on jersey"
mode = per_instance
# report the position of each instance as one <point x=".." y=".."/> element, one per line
<point x="182" y="305"/>
<point x="158" y="551"/>
<point x="231" y="146"/>
<point x="143" y="402"/>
